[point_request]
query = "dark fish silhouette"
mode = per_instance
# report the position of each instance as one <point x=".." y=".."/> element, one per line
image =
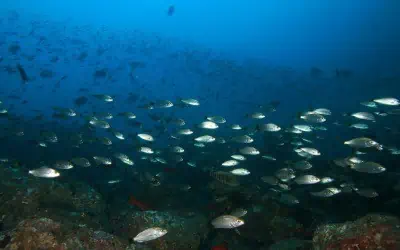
<point x="171" y="10"/>
<point x="22" y="73"/>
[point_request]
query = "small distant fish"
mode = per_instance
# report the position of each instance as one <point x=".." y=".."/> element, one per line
<point x="63" y="165"/>
<point x="80" y="161"/>
<point x="191" y="102"/>
<point x="313" y="118"/>
<point x="302" y="165"/>
<point x="146" y="137"/>
<point x="99" y="123"/>
<point x="239" y="212"/>
<point x="307" y="179"/>
<point x="22" y="73"/>
<point x="285" y="174"/>
<point x="257" y="115"/>
<point x="177" y="149"/>
<point x="322" y="111"/>
<point x="364" y="116"/>
<point x="327" y="192"/>
<point x="102" y="160"/>
<point x="113" y="181"/>
<point x="171" y="10"/>
<point x="124" y="158"/>
<point x="238" y="157"/>
<point x="240" y="171"/>
<point x="362" y="142"/>
<point x="243" y="139"/>
<point x="368" y="167"/>
<point x="303" y="128"/>
<point x="269" y="127"/>
<point x="208" y="125"/>
<point x="118" y="135"/>
<point x="185" y="131"/>
<point x="163" y="104"/>
<point x="326" y="180"/>
<point x="366" y="192"/>
<point x="268" y="157"/>
<point x="105" y="98"/>
<point x="44" y="172"/>
<point x="311" y="151"/>
<point x="249" y="151"/>
<point x="128" y="115"/>
<point x="271" y="180"/>
<point x="146" y="150"/>
<point x="227" y="221"/>
<point x="216" y="119"/>
<point x="289" y="199"/>
<point x="150" y="234"/>
<point x="205" y="139"/>
<point x="361" y="126"/>
<point x="369" y="104"/>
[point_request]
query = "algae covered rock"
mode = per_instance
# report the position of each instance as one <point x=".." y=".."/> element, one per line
<point x="44" y="233"/>
<point x="370" y="232"/>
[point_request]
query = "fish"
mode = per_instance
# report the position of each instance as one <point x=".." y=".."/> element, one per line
<point x="205" y="139"/>
<point x="44" y="172"/>
<point x="171" y="10"/>
<point x="225" y="178"/>
<point x="100" y="160"/>
<point x="105" y="98"/>
<point x="191" y="102"/>
<point x="22" y="74"/>
<point x="361" y="142"/>
<point x="389" y="101"/>
<point x="269" y="127"/>
<point x="239" y="212"/>
<point x="366" y="192"/>
<point x="249" y="151"/>
<point x="150" y="234"/>
<point x="302" y="165"/>
<point x="63" y="165"/>
<point x="364" y="116"/>
<point x="242" y="139"/>
<point x="311" y="151"/>
<point x="307" y="179"/>
<point x="230" y="163"/>
<point x="81" y="161"/>
<point x="208" y="125"/>
<point x="359" y="126"/>
<point x="240" y="171"/>
<point x="368" y="167"/>
<point x="146" y="137"/>
<point x="124" y="158"/>
<point x="216" y="119"/>
<point x="313" y="118"/>
<point x="327" y="192"/>
<point x="238" y="157"/>
<point x="227" y="222"/>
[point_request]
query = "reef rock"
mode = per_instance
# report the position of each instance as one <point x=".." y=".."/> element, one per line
<point x="44" y="233"/>
<point x="371" y="232"/>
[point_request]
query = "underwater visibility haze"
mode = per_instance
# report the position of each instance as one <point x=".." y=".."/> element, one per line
<point x="160" y="125"/>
